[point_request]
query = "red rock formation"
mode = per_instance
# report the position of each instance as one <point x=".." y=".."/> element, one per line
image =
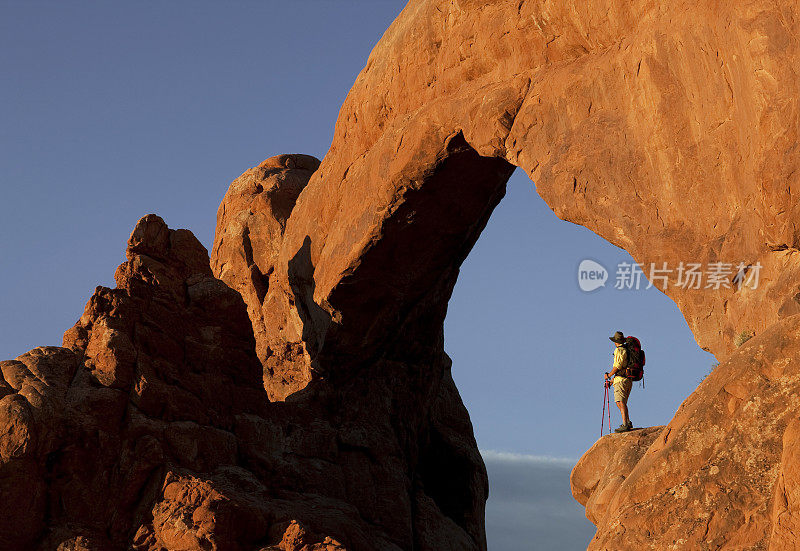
<point x="395" y="400"/>
<point x="721" y="475"/>
<point x="150" y="379"/>
<point x="596" y="478"/>
<point x="667" y="128"/>
<point x="151" y="429"/>
<point x="670" y="129"/>
<point x="250" y="225"/>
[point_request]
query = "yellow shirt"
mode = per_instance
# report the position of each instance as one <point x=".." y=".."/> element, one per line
<point x="620" y="360"/>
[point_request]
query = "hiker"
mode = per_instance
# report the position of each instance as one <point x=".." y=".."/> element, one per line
<point x="622" y="383"/>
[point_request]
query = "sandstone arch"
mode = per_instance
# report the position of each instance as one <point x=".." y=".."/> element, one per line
<point x="668" y="130"/>
<point x="686" y="111"/>
<point x="360" y="440"/>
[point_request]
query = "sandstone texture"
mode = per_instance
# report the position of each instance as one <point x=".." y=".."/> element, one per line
<point x="151" y="429"/>
<point x="723" y="474"/>
<point x="670" y="129"/>
<point x="250" y="225"/>
<point x="136" y="433"/>
<point x="599" y="473"/>
<point x="292" y="391"/>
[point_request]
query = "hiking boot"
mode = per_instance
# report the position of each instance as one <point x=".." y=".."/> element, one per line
<point x="624" y="427"/>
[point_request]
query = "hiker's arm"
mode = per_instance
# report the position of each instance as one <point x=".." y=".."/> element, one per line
<point x="619" y="362"/>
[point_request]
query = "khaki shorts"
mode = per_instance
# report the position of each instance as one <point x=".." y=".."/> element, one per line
<point x="622" y="389"/>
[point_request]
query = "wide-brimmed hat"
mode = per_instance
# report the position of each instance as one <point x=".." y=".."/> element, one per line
<point x="618" y="338"/>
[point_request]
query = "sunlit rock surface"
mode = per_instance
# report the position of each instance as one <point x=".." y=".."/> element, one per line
<point x="723" y="474"/>
<point x="328" y="418"/>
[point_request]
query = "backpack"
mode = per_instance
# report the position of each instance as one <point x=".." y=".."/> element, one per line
<point x="634" y="370"/>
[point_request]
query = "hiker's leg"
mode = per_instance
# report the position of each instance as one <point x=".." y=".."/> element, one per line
<point x="623" y="409"/>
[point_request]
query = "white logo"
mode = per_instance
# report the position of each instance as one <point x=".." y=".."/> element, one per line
<point x="591" y="275"/>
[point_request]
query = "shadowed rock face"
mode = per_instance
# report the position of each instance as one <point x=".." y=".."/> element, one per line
<point x="151" y="429"/>
<point x="327" y="418"/>
<point x="145" y="391"/>
<point x="383" y="380"/>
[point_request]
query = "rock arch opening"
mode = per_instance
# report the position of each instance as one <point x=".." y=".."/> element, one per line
<point x="370" y="351"/>
<point x="362" y="437"/>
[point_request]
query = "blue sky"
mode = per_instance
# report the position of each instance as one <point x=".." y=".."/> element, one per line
<point x="529" y="347"/>
<point x="530" y="506"/>
<point x="114" y="110"/>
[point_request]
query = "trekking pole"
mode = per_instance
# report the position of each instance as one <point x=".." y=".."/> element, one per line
<point x="603" y="416"/>
<point x="606" y="405"/>
<point x="605" y="400"/>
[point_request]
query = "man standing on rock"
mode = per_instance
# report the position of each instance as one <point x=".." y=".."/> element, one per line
<point x="622" y="384"/>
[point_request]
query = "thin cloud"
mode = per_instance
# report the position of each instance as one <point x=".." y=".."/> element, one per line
<point x="492" y="455"/>
<point x="530" y="505"/>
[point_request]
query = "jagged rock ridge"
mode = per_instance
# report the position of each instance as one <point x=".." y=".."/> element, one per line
<point x="151" y="429"/>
